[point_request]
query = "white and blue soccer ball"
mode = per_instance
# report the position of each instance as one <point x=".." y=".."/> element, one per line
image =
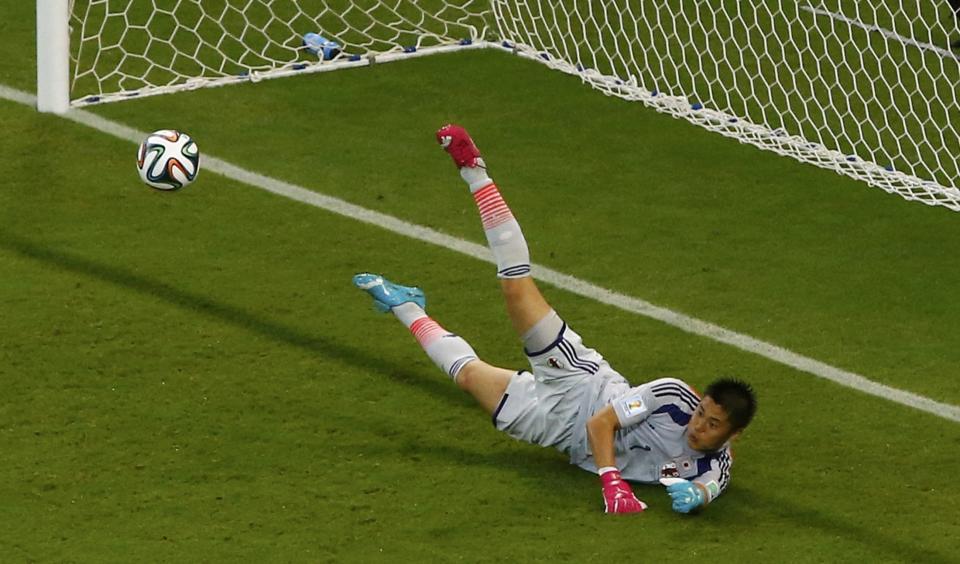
<point x="168" y="160"/>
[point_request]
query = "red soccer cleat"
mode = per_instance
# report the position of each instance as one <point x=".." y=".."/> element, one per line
<point x="456" y="141"/>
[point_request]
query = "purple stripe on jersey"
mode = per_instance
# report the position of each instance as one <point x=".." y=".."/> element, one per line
<point x="679" y="416"/>
<point x="678" y="385"/>
<point x="723" y="461"/>
<point x="703" y="465"/>
<point x="682" y="398"/>
<point x="567" y="349"/>
<point x="573" y="352"/>
<point x="724" y="471"/>
<point x="683" y="391"/>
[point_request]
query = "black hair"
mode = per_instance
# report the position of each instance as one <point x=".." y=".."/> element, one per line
<point x="736" y="397"/>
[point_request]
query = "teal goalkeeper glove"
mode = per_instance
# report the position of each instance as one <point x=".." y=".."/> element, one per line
<point x="686" y="495"/>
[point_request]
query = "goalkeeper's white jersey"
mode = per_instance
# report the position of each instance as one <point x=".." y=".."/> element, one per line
<point x="570" y="382"/>
<point x="652" y="441"/>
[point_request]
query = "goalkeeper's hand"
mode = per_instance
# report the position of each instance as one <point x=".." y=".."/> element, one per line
<point x="685" y="494"/>
<point x="617" y="495"/>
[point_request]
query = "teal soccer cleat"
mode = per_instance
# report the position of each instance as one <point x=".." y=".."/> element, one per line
<point x="387" y="295"/>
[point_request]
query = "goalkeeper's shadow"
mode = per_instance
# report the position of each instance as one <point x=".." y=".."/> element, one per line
<point x="500" y="452"/>
<point x="327" y="346"/>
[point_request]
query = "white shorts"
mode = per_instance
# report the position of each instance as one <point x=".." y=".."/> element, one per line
<point x="547" y="406"/>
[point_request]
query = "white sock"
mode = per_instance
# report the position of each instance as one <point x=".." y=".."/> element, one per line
<point x="448" y="351"/>
<point x="504" y="236"/>
<point x="476" y="177"/>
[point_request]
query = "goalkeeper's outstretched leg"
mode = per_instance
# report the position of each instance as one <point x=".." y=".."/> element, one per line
<point x="450" y="352"/>
<point x="533" y="319"/>
<point x="571" y="399"/>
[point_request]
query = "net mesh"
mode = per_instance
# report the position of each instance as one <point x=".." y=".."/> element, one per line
<point x="864" y="88"/>
<point x="124" y="48"/>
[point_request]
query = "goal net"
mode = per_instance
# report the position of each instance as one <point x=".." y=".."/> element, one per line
<point x="865" y="88"/>
<point x="868" y="89"/>
<point x="126" y="48"/>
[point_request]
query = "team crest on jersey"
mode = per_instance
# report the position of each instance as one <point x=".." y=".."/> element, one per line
<point x="677" y="468"/>
<point x="669" y="470"/>
<point x="552" y="361"/>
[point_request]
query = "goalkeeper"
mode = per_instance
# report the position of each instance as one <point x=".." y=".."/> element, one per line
<point x="571" y="399"/>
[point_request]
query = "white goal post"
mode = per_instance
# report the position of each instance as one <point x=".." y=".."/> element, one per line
<point x="867" y="89"/>
<point x="53" y="55"/>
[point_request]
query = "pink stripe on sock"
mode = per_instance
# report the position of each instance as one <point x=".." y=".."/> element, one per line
<point x="426" y="331"/>
<point x="493" y="210"/>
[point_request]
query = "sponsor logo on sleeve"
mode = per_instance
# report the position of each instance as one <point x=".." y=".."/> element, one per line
<point x="634" y="406"/>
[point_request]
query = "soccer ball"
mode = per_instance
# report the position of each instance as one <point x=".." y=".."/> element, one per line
<point x="168" y="160"/>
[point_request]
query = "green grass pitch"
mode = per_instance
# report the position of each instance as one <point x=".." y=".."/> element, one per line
<point x="190" y="377"/>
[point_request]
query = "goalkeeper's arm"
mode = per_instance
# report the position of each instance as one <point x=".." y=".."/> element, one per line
<point x="601" y="433"/>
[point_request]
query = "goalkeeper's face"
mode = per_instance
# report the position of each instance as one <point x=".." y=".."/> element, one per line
<point x="709" y="428"/>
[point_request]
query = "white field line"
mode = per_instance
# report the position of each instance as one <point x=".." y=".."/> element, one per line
<point x="945" y="53"/>
<point x="558" y="279"/>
